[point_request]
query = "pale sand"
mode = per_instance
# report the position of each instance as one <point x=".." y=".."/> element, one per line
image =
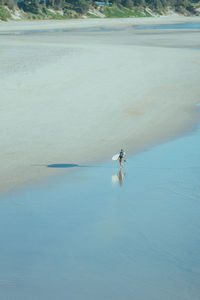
<point x="78" y="97"/>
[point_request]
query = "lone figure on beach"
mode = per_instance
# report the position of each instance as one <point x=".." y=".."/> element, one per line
<point x="121" y="157"/>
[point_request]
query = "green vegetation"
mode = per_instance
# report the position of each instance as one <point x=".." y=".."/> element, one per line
<point x="52" y="14"/>
<point x="11" y="4"/>
<point x="64" y="9"/>
<point x="121" y="12"/>
<point x="4" y="13"/>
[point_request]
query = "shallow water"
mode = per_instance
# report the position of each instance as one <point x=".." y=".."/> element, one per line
<point x="95" y="29"/>
<point x="189" y="25"/>
<point x="83" y="237"/>
<point x="60" y="30"/>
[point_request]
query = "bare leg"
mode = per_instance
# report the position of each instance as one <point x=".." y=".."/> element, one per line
<point x="120" y="162"/>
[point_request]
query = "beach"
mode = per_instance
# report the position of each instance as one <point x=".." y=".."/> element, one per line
<point x="73" y="225"/>
<point x="75" y="92"/>
<point x="85" y="236"/>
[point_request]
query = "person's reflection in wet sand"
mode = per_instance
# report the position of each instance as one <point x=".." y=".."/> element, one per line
<point x="118" y="178"/>
<point x="121" y="177"/>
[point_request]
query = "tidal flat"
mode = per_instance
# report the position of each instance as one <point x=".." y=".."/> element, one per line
<point x="77" y="91"/>
<point x="72" y="225"/>
<point x="83" y="236"/>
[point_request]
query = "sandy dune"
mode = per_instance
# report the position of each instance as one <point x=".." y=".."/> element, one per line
<point x="78" y="96"/>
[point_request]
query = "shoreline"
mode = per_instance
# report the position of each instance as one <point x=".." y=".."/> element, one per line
<point x="76" y="98"/>
<point x="82" y="23"/>
<point x="104" y="238"/>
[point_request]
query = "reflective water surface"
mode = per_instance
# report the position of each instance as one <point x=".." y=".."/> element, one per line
<point x="87" y="236"/>
<point x="188" y="25"/>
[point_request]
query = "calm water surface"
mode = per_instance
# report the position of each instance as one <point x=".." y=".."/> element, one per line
<point x="189" y="25"/>
<point x="86" y="236"/>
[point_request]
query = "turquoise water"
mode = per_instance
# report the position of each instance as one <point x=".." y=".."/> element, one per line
<point x="83" y="237"/>
<point x="189" y="25"/>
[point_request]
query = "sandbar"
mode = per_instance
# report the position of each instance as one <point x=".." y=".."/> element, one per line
<point x="75" y="92"/>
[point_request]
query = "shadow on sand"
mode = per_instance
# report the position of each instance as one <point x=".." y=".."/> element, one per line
<point x="62" y="166"/>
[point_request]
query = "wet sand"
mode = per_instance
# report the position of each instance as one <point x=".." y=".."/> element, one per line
<point x="75" y="96"/>
<point x="81" y="237"/>
<point x="91" y="232"/>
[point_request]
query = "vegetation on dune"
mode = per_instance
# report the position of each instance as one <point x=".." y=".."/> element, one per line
<point x="119" y="11"/>
<point x="4" y="13"/>
<point x="62" y="9"/>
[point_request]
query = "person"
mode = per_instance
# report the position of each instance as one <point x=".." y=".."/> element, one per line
<point x="121" y="157"/>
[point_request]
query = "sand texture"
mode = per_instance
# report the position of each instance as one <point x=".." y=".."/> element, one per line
<point x="79" y="93"/>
